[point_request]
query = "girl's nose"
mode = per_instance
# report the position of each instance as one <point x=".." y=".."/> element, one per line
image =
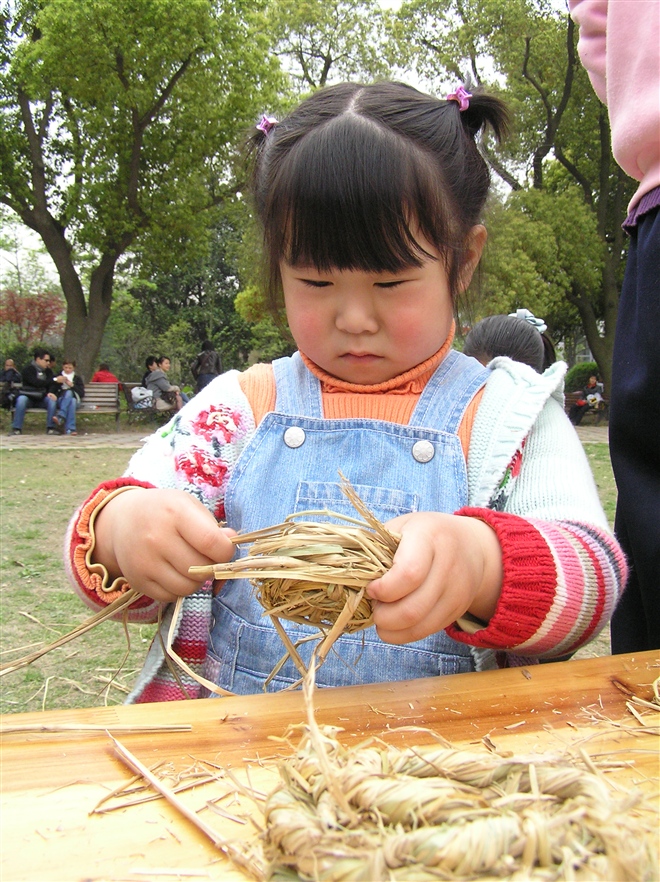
<point x="355" y="315"/>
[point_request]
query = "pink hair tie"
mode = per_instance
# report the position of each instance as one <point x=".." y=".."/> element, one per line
<point x="462" y="96"/>
<point x="266" y="123"/>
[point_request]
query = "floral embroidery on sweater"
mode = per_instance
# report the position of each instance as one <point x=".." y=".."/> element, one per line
<point x="199" y="448"/>
<point x="503" y="492"/>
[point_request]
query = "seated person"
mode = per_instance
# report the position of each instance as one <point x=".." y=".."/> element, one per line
<point x="164" y="363"/>
<point x="167" y="396"/>
<point x="105" y="375"/>
<point x="11" y="383"/>
<point x="70" y="396"/>
<point x="36" y="391"/>
<point x="151" y="364"/>
<point x="591" y="399"/>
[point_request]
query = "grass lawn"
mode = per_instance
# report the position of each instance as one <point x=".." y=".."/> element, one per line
<point x="39" y="490"/>
<point x="599" y="459"/>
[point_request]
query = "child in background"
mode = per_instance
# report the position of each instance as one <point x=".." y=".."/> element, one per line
<point x="509" y="335"/>
<point x="71" y="391"/>
<point x="370" y="199"/>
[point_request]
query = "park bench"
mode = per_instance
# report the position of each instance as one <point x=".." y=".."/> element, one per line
<point x="136" y="411"/>
<point x="99" y="398"/>
<point x="599" y="413"/>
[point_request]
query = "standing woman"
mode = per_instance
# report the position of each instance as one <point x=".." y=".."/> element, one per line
<point x="620" y="48"/>
<point x="206" y="366"/>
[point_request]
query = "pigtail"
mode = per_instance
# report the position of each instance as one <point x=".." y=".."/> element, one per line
<point x="255" y="143"/>
<point x="257" y="137"/>
<point x="484" y="111"/>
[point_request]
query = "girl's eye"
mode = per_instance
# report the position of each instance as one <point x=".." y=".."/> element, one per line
<point x="395" y="283"/>
<point x="315" y="283"/>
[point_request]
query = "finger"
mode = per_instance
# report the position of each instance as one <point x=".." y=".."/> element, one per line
<point x="165" y="584"/>
<point x="408" y="572"/>
<point x="181" y="557"/>
<point x="410" y="612"/>
<point x="398" y="627"/>
<point x="202" y="533"/>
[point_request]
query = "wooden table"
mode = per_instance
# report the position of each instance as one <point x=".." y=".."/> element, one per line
<point x="52" y="780"/>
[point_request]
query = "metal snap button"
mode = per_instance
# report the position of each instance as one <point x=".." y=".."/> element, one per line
<point x="294" y="436"/>
<point x="423" y="451"/>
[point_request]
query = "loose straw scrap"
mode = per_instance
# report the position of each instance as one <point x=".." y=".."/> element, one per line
<point x="170" y="795"/>
<point x="121" y="604"/>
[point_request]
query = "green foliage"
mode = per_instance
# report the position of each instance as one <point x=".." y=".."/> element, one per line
<point x="11" y="348"/>
<point x="530" y="261"/>
<point x="329" y="40"/>
<point x="577" y="376"/>
<point x="133" y="112"/>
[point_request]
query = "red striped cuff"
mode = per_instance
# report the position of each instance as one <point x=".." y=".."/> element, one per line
<point x="528" y="584"/>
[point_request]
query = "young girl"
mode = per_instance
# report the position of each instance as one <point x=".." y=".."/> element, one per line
<point x="71" y="392"/>
<point x="370" y="199"/>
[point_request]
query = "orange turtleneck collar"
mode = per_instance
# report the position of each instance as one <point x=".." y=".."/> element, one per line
<point x="393" y="401"/>
<point x="411" y="382"/>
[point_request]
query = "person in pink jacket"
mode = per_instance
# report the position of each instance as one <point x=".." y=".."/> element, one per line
<point x="619" y="46"/>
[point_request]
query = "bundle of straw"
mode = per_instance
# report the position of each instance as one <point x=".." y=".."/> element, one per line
<point x="379" y="812"/>
<point x="314" y="572"/>
<point x="438" y="812"/>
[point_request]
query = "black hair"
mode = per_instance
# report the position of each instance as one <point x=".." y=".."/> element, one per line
<point x="549" y="354"/>
<point x="40" y="352"/>
<point x="161" y="359"/>
<point x="149" y="360"/>
<point x="104" y="366"/>
<point x="207" y="346"/>
<point x="506" y="335"/>
<point x="351" y="177"/>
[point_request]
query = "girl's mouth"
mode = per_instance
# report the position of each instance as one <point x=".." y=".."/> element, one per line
<point x="360" y="356"/>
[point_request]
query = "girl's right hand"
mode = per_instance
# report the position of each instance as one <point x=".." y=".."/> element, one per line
<point x="152" y="537"/>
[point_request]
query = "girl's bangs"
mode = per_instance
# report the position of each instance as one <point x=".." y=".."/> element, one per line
<point x="343" y="200"/>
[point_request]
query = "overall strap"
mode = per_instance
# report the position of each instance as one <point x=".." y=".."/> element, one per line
<point x="298" y="390"/>
<point x="448" y="393"/>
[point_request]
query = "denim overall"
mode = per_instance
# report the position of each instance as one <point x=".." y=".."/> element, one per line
<point x="291" y="465"/>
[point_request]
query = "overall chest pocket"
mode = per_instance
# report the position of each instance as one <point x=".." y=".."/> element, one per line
<point x="383" y="503"/>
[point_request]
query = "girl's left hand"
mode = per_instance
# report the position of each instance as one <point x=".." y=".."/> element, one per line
<point x="445" y="566"/>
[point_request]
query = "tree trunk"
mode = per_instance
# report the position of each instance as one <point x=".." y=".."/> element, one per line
<point x="89" y="337"/>
<point x="600" y="344"/>
<point x="85" y="325"/>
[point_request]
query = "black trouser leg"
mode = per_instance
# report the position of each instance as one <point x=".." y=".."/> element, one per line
<point x="635" y="440"/>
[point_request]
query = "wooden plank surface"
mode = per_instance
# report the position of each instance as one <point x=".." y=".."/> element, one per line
<point x="51" y="781"/>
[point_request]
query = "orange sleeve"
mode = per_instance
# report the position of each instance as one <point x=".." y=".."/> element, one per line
<point x="258" y="385"/>
<point x="465" y="428"/>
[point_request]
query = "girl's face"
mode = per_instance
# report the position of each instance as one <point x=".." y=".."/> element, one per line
<point x="365" y="327"/>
